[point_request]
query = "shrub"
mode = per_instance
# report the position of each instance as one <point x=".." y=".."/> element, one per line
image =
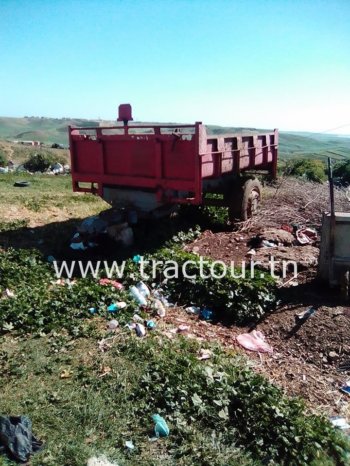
<point x="235" y="299"/>
<point x="312" y="170"/>
<point x="41" y="161"/>
<point x="3" y="159"/>
<point x="228" y="398"/>
<point x="342" y="171"/>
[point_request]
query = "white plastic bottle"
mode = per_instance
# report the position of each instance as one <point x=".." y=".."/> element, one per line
<point x="138" y="297"/>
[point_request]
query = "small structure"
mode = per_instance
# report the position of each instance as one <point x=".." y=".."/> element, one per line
<point x="334" y="262"/>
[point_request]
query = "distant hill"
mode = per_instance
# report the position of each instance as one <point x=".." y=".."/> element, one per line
<point x="291" y="144"/>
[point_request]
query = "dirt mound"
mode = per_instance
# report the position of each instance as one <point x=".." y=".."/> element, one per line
<point x="304" y="257"/>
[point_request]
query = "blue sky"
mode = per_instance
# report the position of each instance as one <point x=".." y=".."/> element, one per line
<point x="256" y="63"/>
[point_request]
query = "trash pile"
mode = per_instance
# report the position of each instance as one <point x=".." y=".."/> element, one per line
<point x="287" y="243"/>
<point x="284" y="236"/>
<point x="117" y="224"/>
<point x="148" y="301"/>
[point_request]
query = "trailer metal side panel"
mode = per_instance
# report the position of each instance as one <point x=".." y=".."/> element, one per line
<point x="171" y="161"/>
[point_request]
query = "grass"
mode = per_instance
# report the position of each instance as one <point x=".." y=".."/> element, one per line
<point x="45" y="193"/>
<point x="83" y="401"/>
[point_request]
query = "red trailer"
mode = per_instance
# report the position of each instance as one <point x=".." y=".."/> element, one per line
<point x="150" y="167"/>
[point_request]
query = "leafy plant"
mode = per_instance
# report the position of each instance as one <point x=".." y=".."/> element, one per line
<point x="239" y="300"/>
<point x="3" y="159"/>
<point x="41" y="161"/>
<point x="231" y="400"/>
<point x="311" y="169"/>
<point x="342" y="172"/>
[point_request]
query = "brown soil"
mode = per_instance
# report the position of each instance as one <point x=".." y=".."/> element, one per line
<point x="306" y="357"/>
<point x="302" y="363"/>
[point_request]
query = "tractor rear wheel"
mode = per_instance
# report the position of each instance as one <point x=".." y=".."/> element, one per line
<point x="245" y="200"/>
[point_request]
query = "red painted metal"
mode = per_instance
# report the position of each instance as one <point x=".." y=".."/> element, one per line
<point x="166" y="159"/>
<point x="125" y="113"/>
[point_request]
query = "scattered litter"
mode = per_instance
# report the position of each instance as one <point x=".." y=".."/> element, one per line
<point x="287" y="228"/>
<point x="77" y="243"/>
<point x="182" y="328"/>
<point x="268" y="244"/>
<point x="113" y="324"/>
<point x="92" y="226"/>
<point x="340" y="423"/>
<point x="159" y="307"/>
<point x="121" y="233"/>
<point x="251" y="252"/>
<point x="254" y="341"/>
<point x="159" y="295"/>
<point x="116" y="306"/>
<point x="129" y="445"/>
<point x="140" y="330"/>
<point x="303" y="316"/>
<point x="92" y="310"/>
<point x="100" y="461"/>
<point x="112" y="308"/>
<point x="161" y="428"/>
<point x="17" y="439"/>
<point x="193" y="310"/>
<point x="276" y="237"/>
<point x="207" y="313"/>
<point x="57" y="168"/>
<point x="136" y="259"/>
<point x="138" y="297"/>
<point x="151" y="324"/>
<point x="8" y="294"/>
<point x="143" y="289"/>
<point x="137" y="318"/>
<point x="306" y="236"/>
<point x="108" y="281"/>
<point x="204" y="354"/>
<point x="346" y="388"/>
<point x="51" y="259"/>
<point x="344" y="366"/>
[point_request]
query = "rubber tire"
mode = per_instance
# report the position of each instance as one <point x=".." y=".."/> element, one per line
<point x="240" y="199"/>
<point x="250" y="188"/>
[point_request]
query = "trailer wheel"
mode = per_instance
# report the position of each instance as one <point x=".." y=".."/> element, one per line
<point x="245" y="200"/>
<point x="251" y="198"/>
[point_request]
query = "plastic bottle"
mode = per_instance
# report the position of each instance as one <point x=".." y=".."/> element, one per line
<point x="161" y="428"/>
<point x="138" y="297"/>
<point x="143" y="289"/>
<point x="116" y="306"/>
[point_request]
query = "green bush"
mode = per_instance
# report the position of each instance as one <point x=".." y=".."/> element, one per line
<point x="41" y="305"/>
<point x="41" y="161"/>
<point x="310" y="169"/>
<point x="342" y="171"/>
<point x="237" y="300"/>
<point x="3" y="159"/>
<point x="227" y="398"/>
